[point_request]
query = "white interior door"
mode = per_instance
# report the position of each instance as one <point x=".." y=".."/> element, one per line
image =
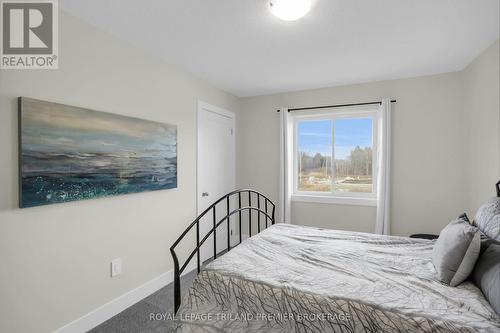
<point x="216" y="170"/>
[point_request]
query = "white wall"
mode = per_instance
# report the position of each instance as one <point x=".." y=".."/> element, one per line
<point x="482" y="126"/>
<point x="55" y="259"/>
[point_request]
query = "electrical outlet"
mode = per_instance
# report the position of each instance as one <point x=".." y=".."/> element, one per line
<point x="116" y="267"/>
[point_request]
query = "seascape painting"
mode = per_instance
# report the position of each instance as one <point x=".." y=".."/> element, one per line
<point x="69" y="153"/>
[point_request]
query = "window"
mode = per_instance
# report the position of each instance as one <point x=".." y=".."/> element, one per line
<point x="335" y="157"/>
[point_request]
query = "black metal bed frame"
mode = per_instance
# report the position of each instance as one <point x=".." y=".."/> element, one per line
<point x="238" y="193"/>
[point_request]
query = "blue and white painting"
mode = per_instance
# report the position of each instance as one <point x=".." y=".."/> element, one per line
<point x="69" y="153"/>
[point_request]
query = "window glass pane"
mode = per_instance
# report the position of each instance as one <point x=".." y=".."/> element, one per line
<point x="315" y="155"/>
<point x="353" y="155"/>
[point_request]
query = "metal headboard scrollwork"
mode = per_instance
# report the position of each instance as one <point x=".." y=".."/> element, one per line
<point x="264" y="207"/>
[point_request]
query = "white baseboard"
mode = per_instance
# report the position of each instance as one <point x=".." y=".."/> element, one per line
<point x="114" y="307"/>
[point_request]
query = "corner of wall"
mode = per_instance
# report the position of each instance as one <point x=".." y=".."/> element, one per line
<point x="481" y="126"/>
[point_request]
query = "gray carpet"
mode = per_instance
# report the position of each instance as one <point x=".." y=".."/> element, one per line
<point x="135" y="319"/>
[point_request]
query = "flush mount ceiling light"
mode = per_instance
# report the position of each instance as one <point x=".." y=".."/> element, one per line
<point x="289" y="10"/>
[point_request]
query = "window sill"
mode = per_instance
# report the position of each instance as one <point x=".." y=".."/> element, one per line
<point x="334" y="200"/>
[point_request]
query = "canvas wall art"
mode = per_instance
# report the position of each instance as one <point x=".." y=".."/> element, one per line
<point x="69" y="153"/>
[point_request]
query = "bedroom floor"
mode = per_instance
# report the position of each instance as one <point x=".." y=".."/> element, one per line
<point x="135" y="319"/>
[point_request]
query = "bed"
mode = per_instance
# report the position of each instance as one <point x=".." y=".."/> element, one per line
<point x="290" y="278"/>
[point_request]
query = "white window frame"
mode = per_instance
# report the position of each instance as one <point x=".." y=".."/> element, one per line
<point x="354" y="198"/>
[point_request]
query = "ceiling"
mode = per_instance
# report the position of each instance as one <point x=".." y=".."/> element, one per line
<point x="238" y="46"/>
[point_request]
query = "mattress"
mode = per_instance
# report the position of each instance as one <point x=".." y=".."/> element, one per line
<point x="291" y="278"/>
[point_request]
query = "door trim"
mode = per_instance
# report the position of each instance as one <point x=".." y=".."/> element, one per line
<point x="204" y="107"/>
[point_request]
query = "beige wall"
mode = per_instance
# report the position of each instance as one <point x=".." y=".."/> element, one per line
<point x="426" y="152"/>
<point x="55" y="259"/>
<point x="482" y="126"/>
<point x="445" y="155"/>
<point x="445" y="147"/>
